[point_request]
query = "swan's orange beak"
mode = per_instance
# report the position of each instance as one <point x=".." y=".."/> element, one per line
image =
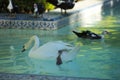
<point x="23" y="49"/>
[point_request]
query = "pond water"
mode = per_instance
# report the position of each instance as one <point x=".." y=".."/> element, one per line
<point x="96" y="58"/>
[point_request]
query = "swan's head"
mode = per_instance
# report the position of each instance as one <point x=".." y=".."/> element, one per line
<point x="25" y="46"/>
<point x="28" y="44"/>
<point x="23" y="49"/>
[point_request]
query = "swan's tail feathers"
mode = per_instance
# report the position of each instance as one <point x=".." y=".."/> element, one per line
<point x="75" y="50"/>
<point x="73" y="53"/>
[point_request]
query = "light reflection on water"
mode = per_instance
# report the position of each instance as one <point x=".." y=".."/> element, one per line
<point x="90" y="16"/>
<point x="95" y="59"/>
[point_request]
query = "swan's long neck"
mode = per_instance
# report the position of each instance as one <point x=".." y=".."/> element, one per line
<point x="36" y="43"/>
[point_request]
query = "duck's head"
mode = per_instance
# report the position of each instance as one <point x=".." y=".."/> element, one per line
<point x="105" y="32"/>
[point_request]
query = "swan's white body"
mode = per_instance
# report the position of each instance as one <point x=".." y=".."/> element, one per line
<point x="10" y="6"/>
<point x="49" y="51"/>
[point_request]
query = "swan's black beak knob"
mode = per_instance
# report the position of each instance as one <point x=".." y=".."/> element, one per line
<point x="23" y="49"/>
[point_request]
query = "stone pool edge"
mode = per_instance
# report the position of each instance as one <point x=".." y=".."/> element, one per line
<point x="11" y="76"/>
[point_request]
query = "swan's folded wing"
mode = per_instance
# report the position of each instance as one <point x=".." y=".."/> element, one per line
<point x="68" y="56"/>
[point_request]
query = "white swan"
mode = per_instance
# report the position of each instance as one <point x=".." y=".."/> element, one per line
<point x="56" y="50"/>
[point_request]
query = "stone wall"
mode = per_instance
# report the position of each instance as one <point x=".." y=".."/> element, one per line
<point x="29" y="24"/>
<point x="46" y="24"/>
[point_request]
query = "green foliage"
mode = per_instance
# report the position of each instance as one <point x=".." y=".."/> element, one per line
<point x="26" y="6"/>
<point x="49" y="6"/>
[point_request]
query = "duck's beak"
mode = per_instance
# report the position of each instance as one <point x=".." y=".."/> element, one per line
<point x="23" y="49"/>
<point x="106" y="32"/>
<point x="109" y="33"/>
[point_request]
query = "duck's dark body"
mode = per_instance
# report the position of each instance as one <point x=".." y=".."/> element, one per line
<point x="87" y="34"/>
<point x="41" y="8"/>
<point x="66" y="4"/>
